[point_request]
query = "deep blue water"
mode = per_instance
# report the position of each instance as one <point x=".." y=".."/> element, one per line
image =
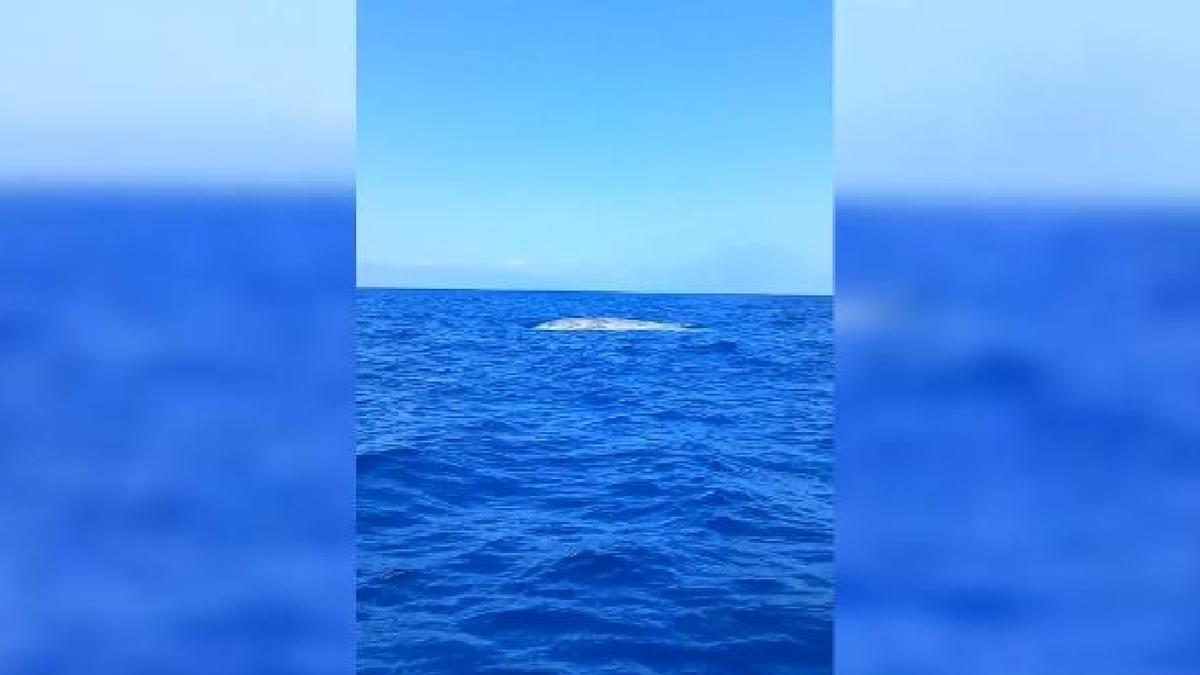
<point x="176" y="421"/>
<point x="593" y="502"/>
<point x="1017" y="479"/>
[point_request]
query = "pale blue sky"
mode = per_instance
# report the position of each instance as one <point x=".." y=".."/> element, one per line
<point x="230" y="93"/>
<point x="1018" y="99"/>
<point x="675" y="145"/>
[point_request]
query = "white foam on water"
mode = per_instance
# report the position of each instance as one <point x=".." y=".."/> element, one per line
<point x="604" y="323"/>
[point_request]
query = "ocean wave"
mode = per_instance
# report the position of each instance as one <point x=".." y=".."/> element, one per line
<point x="605" y="323"/>
<point x="718" y="347"/>
<point x="594" y="502"/>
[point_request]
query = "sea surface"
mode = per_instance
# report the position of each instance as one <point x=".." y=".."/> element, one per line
<point x="1017" y="479"/>
<point x="594" y="502"/>
<point x="176" y="425"/>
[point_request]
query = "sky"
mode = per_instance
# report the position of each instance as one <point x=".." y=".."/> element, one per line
<point x="676" y="145"/>
<point x="223" y="93"/>
<point x="1074" y="100"/>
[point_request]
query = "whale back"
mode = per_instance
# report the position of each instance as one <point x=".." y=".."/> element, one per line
<point x="608" y="324"/>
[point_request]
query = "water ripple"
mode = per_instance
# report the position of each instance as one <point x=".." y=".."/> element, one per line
<point x="609" y="501"/>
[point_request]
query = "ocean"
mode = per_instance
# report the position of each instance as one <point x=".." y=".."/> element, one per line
<point x="176" y="431"/>
<point x="594" y="502"/>
<point x="1017" y="476"/>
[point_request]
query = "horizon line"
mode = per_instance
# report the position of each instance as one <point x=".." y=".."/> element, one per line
<point x="358" y="287"/>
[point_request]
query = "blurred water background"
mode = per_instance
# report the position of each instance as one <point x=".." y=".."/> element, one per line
<point x="176" y="274"/>
<point x="177" y="486"/>
<point x="1017" y="481"/>
<point x="602" y="502"/>
<point x="1016" y="323"/>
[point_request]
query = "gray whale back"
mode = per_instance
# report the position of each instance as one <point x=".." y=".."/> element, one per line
<point x="604" y="323"/>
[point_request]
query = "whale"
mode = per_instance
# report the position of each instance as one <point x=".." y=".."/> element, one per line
<point x="607" y="323"/>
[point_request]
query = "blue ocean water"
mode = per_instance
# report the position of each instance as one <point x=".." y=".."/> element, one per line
<point x="1017" y="479"/>
<point x="599" y="502"/>
<point x="176" y="491"/>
